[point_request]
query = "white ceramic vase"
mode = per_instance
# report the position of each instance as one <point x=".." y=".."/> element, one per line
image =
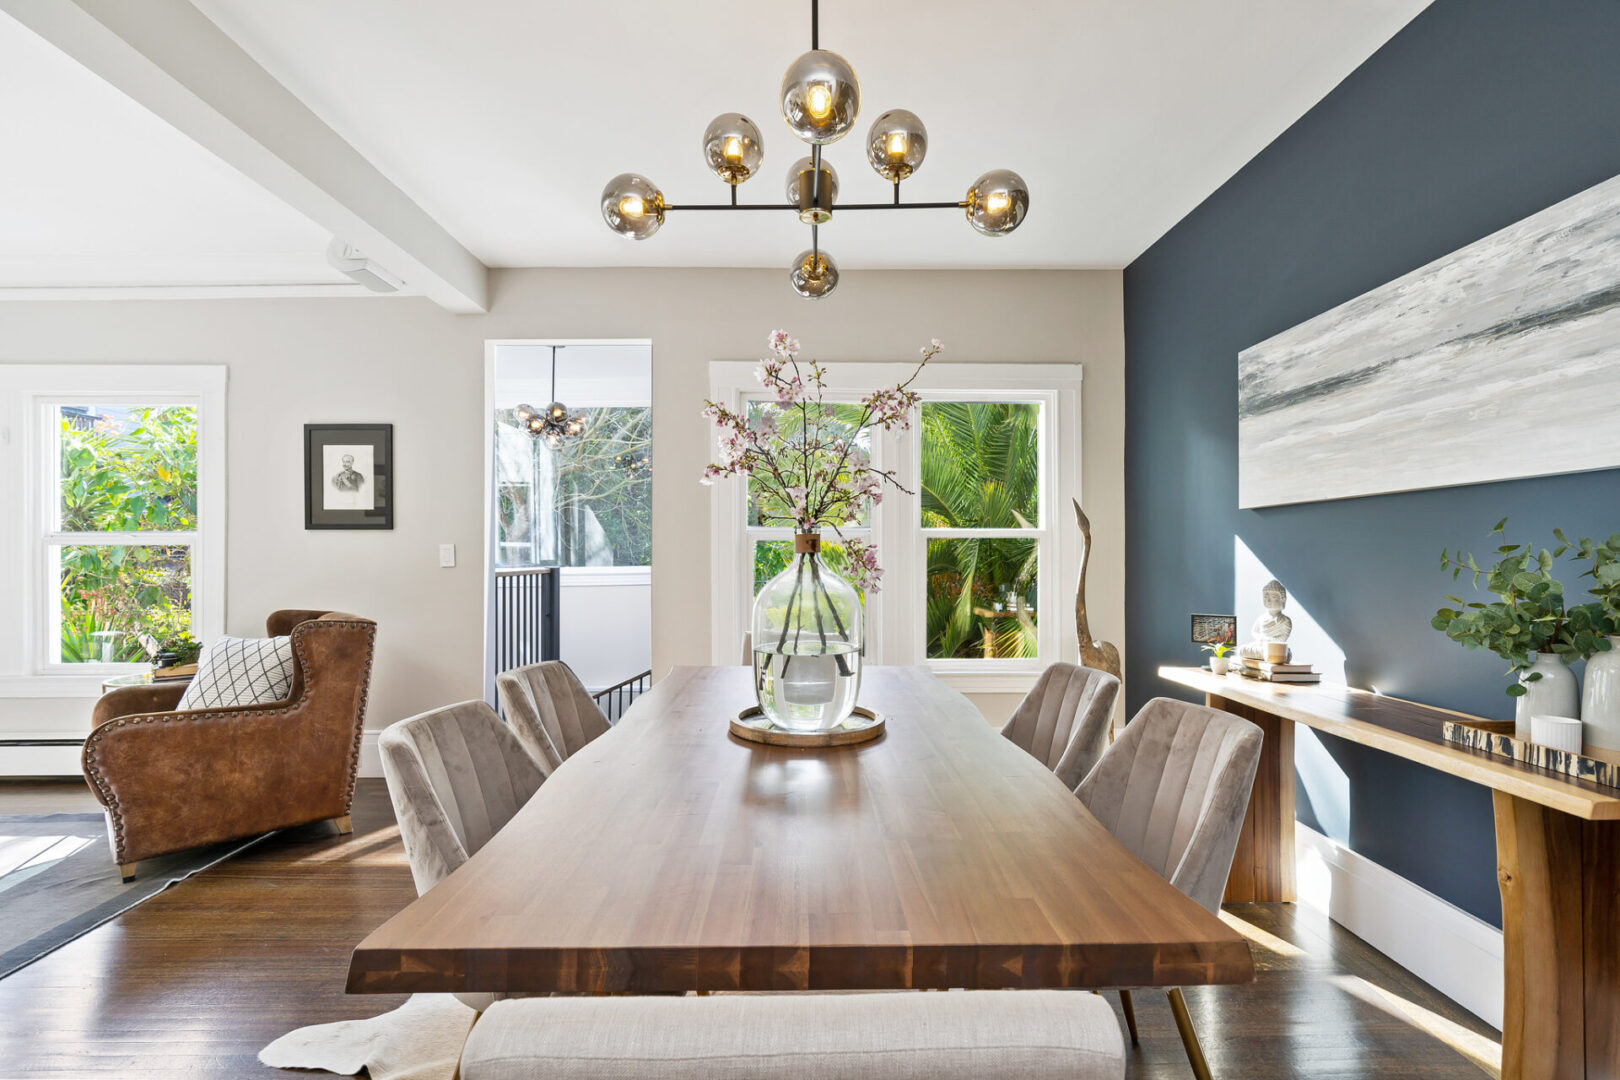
<point x="1600" y="702"/>
<point x="1219" y="664"/>
<point x="1556" y="693"/>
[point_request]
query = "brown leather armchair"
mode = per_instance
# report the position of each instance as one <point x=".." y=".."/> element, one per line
<point x="174" y="780"/>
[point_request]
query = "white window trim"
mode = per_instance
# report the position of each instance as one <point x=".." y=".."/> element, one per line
<point x="25" y="450"/>
<point x="901" y="640"/>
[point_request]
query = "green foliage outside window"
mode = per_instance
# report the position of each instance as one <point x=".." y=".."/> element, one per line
<point x="127" y="470"/>
<point x="980" y="469"/>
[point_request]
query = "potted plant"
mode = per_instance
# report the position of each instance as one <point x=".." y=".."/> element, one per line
<point x="1527" y="625"/>
<point x="803" y="461"/>
<point x="1220" y="656"/>
<point x="1600" y="699"/>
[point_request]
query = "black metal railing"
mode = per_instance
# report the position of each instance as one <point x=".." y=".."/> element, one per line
<point x="526" y="622"/>
<point x="616" y="699"/>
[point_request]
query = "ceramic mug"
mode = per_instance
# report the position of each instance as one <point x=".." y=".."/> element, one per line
<point x="1276" y="652"/>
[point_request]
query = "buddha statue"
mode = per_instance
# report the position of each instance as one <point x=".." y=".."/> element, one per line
<point x="1271" y="626"/>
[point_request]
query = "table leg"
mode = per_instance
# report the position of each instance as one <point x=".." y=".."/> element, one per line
<point x="1263" y="866"/>
<point x="1560" y="881"/>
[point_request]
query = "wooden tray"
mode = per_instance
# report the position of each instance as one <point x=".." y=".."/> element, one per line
<point x="1495" y="737"/>
<point x="862" y="725"/>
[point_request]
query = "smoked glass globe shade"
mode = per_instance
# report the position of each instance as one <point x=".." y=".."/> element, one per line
<point x="814" y="274"/>
<point x="997" y="202"/>
<point x="733" y="147"/>
<point x="896" y="144"/>
<point x="821" y="97"/>
<point x="632" y="206"/>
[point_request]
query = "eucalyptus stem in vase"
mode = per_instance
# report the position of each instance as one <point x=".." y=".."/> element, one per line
<point x="805" y="467"/>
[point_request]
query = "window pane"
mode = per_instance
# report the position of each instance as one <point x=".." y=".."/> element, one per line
<point x="604" y="490"/>
<point x="764" y="510"/>
<point x="980" y="465"/>
<point x="111" y="594"/>
<point x="771" y="557"/>
<point x="128" y="468"/>
<point x="981" y="599"/>
<point x="587" y="503"/>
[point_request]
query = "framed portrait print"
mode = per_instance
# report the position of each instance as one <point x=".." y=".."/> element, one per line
<point x="348" y="476"/>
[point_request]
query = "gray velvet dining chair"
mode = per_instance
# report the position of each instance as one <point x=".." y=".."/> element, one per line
<point x="550" y="709"/>
<point x="1174" y="789"/>
<point x="1063" y="720"/>
<point x="455" y="775"/>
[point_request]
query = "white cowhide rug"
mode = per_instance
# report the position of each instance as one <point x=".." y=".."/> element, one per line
<point x="420" y="1040"/>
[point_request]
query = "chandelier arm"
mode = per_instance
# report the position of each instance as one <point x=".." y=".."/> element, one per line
<point x="815" y="24"/>
<point x="836" y="206"/>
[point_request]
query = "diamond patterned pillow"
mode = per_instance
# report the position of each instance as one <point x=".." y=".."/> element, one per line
<point x="241" y="671"/>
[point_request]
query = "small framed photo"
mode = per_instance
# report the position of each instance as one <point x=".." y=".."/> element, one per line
<point x="348" y="476"/>
<point x="1214" y="629"/>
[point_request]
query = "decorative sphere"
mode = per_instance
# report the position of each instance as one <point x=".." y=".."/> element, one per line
<point x="814" y="275"/>
<point x="997" y="202"/>
<point x="733" y="147"/>
<point x="821" y="97"/>
<point x="896" y="144"/>
<point x="632" y="206"/>
<point x="798" y="182"/>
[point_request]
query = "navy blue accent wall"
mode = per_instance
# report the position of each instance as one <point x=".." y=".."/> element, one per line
<point x="1477" y="114"/>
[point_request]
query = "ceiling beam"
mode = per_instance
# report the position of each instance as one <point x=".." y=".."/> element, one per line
<point x="171" y="58"/>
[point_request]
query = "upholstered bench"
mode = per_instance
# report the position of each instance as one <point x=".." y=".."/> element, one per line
<point x="972" y="1035"/>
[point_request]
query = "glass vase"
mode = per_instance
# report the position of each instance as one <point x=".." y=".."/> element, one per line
<point x="808" y="644"/>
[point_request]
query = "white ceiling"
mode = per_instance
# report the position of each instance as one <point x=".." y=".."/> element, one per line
<point x="96" y="191"/>
<point x="503" y="118"/>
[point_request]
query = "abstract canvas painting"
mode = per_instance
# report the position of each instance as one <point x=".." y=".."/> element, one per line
<point x="1499" y="360"/>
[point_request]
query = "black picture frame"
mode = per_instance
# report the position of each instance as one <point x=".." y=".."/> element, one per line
<point x="1214" y="629"/>
<point x="364" y="455"/>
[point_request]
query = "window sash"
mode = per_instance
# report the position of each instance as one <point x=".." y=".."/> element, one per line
<point x="30" y="394"/>
<point x="896" y="529"/>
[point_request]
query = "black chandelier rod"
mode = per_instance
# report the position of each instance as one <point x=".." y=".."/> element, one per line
<point x="962" y="205"/>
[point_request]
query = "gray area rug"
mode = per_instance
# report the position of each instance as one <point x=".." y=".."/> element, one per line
<point x="58" y="881"/>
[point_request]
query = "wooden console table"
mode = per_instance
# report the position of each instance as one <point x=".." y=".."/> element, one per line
<point x="1557" y="854"/>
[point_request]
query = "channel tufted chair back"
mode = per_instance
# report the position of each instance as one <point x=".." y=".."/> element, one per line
<point x="455" y="775"/>
<point x="1063" y="720"/>
<point x="550" y="710"/>
<point x="1174" y="788"/>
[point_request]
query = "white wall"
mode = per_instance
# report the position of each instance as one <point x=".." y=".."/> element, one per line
<point x="606" y="618"/>
<point x="410" y="363"/>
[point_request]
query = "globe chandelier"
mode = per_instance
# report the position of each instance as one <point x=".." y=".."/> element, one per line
<point x="820" y="99"/>
<point x="554" y="423"/>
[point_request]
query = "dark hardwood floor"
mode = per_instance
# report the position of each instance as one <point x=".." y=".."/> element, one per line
<point x="194" y="981"/>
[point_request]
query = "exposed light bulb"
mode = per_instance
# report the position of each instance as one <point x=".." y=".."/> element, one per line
<point x="734" y="149"/>
<point x="897" y="144"/>
<point x="631" y="206"/>
<point x="818" y="101"/>
<point x="997" y="202"/>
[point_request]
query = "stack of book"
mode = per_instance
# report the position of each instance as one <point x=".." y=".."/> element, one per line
<point x="169" y="674"/>
<point x="1284" y="673"/>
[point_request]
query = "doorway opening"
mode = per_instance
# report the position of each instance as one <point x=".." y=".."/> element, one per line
<point x="569" y="521"/>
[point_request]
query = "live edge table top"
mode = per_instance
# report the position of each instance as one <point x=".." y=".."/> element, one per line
<point x="668" y="855"/>
<point x="1402" y="727"/>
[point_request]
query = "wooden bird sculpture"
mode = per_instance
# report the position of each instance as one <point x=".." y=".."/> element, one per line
<point x="1099" y="655"/>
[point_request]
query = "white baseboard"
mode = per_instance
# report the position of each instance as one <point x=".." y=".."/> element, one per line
<point x="1451" y="950"/>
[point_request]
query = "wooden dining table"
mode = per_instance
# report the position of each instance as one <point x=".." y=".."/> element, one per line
<point x="668" y="855"/>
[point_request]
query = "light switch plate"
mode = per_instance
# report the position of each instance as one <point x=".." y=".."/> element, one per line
<point x="447" y="554"/>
